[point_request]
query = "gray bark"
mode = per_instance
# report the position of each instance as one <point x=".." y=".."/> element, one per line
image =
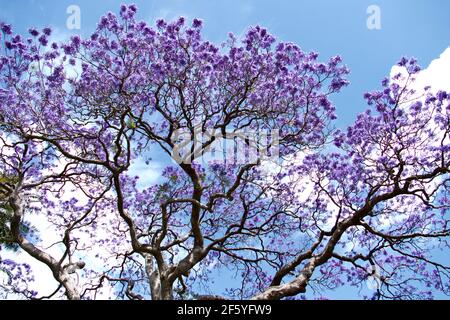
<point x="60" y="273"/>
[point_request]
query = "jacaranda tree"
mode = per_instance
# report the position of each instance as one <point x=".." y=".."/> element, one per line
<point x="323" y="208"/>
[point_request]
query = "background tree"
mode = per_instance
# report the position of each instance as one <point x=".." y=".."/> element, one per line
<point x="80" y="116"/>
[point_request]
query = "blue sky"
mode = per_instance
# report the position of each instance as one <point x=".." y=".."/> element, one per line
<point x="418" y="28"/>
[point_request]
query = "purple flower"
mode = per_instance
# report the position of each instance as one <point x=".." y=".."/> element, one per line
<point x="441" y="95"/>
<point x="43" y="40"/>
<point x="33" y="32"/>
<point x="197" y="23"/>
<point x="381" y="107"/>
<point x="133" y="8"/>
<point x="103" y="22"/>
<point x="180" y="21"/>
<point x="160" y="23"/>
<point x="47" y="31"/>
<point x="6" y="28"/>
<point x="403" y="61"/>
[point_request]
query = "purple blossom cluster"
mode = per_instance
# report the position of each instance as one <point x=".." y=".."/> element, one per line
<point x="77" y="118"/>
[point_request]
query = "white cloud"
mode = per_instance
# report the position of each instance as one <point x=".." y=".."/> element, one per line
<point x="149" y="174"/>
<point x="436" y="75"/>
